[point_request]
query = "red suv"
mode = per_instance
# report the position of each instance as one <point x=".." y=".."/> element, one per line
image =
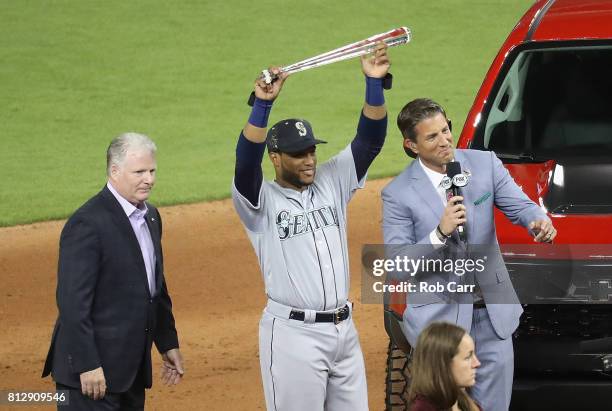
<point x="545" y="109"/>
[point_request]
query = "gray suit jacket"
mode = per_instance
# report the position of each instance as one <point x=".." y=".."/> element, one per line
<point x="411" y="211"/>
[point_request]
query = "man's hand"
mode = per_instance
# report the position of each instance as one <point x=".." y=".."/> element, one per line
<point x="93" y="383"/>
<point x="270" y="91"/>
<point x="543" y="230"/>
<point x="172" y="367"/>
<point x="377" y="63"/>
<point x="454" y="214"/>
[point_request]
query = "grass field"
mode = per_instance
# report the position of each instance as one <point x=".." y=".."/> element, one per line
<point x="74" y="74"/>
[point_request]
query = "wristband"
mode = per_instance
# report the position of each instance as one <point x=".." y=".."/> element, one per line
<point x="374" y="91"/>
<point x="260" y="113"/>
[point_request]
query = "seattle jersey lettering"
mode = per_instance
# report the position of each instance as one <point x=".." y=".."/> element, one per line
<point x="290" y="225"/>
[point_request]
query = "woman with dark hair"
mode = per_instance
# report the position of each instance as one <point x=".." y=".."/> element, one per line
<point x="443" y="365"/>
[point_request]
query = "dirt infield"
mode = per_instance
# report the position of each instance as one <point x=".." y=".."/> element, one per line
<point x="217" y="290"/>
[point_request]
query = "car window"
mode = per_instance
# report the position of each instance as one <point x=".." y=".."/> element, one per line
<point x="551" y="102"/>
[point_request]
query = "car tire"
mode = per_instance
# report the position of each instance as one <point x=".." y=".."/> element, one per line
<point x="397" y="379"/>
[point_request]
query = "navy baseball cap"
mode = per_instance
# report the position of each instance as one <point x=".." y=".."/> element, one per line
<point x="291" y="136"/>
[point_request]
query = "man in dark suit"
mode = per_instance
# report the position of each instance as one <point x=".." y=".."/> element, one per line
<point x="111" y="293"/>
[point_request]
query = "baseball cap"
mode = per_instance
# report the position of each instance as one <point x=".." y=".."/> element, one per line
<point x="291" y="136"/>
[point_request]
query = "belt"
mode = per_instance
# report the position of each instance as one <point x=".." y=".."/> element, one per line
<point x="479" y="305"/>
<point x="335" y="317"/>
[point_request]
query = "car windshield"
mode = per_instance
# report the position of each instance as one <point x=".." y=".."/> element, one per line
<point x="552" y="102"/>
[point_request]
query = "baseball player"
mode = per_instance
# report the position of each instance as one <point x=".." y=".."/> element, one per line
<point x="308" y="347"/>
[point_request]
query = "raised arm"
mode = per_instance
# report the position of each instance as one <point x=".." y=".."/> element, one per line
<point x="372" y="127"/>
<point x="248" y="174"/>
<point x="375" y="66"/>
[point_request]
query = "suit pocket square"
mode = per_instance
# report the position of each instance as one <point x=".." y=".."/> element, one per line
<point x="482" y="199"/>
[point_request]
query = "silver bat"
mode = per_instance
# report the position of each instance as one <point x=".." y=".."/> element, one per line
<point x="395" y="37"/>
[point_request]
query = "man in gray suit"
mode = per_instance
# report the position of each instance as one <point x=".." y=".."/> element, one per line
<point x="416" y="211"/>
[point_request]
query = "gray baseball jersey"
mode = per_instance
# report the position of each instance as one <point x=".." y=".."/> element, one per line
<point x="300" y="237"/>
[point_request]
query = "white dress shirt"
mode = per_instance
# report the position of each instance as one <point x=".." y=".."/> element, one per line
<point x="436" y="179"/>
<point x="136" y="215"/>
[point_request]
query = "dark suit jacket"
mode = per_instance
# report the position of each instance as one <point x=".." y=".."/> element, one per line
<point x="107" y="316"/>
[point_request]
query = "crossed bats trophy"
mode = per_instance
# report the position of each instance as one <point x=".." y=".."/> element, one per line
<point x="395" y="37"/>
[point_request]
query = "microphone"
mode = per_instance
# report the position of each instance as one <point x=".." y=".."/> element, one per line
<point x="453" y="182"/>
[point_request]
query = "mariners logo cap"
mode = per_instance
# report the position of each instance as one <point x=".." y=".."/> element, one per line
<point x="291" y="136"/>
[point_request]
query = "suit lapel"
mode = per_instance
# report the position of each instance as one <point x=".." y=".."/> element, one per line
<point x="429" y="195"/>
<point x="126" y="231"/>
<point x="153" y="224"/>
<point x="425" y="190"/>
<point x="468" y="195"/>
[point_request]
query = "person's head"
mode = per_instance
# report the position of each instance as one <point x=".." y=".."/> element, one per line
<point x="427" y="132"/>
<point x="444" y="363"/>
<point x="292" y="150"/>
<point x="130" y="166"/>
